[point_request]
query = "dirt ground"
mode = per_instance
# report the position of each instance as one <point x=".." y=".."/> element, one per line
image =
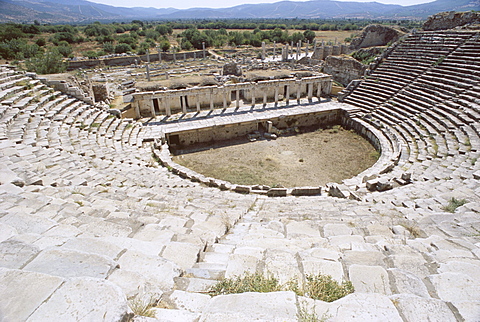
<point x="308" y="159"/>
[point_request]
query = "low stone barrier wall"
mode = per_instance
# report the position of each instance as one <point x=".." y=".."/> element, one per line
<point x="136" y="59"/>
<point x="381" y="143"/>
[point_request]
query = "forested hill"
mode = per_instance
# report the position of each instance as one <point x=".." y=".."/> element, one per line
<point x="69" y="11"/>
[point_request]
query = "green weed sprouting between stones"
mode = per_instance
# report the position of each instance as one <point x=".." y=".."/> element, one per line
<point x="318" y="287"/>
<point x="453" y="204"/>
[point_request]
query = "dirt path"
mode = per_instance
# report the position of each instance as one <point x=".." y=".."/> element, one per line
<point x="309" y="159"/>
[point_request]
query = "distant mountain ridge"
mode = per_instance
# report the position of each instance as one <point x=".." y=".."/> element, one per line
<point x="75" y="11"/>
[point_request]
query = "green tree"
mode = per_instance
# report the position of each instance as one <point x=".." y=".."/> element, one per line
<point x="122" y="48"/>
<point x="50" y="62"/>
<point x="108" y="47"/>
<point x="165" y="45"/>
<point x="309" y="35"/>
<point x="296" y="37"/>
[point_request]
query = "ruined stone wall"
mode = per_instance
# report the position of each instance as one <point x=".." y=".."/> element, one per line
<point x="322" y="52"/>
<point x="344" y="69"/>
<point x="174" y="101"/>
<point x="376" y="35"/>
<point x="449" y="20"/>
<point x="130" y="60"/>
<point x="68" y="89"/>
<point x="232" y="131"/>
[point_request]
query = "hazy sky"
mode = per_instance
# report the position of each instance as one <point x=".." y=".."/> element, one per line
<point x="183" y="4"/>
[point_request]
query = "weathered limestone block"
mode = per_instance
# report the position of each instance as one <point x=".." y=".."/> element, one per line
<point x="414" y="264"/>
<point x="199" y="285"/>
<point x="155" y="233"/>
<point x="369" y="279"/>
<point x="22" y="292"/>
<point x="345" y="242"/>
<point x="416" y="308"/>
<point x="277" y="192"/>
<point x="26" y="223"/>
<point x="282" y="264"/>
<point x="159" y="270"/>
<point x="453" y="287"/>
<point x="6" y="231"/>
<point x="70" y="263"/>
<point x="274" y="306"/>
<point x="359" y="307"/>
<point x="242" y="189"/>
<point x="133" y="283"/>
<point x="105" y="229"/>
<point x="185" y="255"/>
<point x="14" y="254"/>
<point x="325" y="267"/>
<point x="336" y="230"/>
<point x="239" y="264"/>
<point x="105" y="302"/>
<point x="170" y="315"/>
<point x="193" y="302"/>
<point x="304" y="228"/>
<point x="93" y="245"/>
<point x="364" y="258"/>
<point x="406" y="282"/>
<point x="307" y="191"/>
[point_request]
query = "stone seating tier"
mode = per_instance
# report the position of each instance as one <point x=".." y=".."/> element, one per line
<point x="88" y="197"/>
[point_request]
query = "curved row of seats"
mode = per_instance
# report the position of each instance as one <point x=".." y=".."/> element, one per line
<point x="421" y="92"/>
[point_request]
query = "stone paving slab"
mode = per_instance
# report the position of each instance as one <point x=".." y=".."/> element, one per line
<point x="274" y="307"/>
<point x="18" y="302"/>
<point x="69" y="302"/>
<point x="70" y="263"/>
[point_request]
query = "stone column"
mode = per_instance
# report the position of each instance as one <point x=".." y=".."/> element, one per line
<point x="298" y="51"/>
<point x="264" y="96"/>
<point x="269" y="126"/>
<point x="148" y="67"/>
<point x="276" y="95"/>
<point x="197" y="96"/>
<point x="159" y="50"/>
<point x="286" y="52"/>
<point x="194" y="55"/>
<point x="274" y="50"/>
<point x="224" y="92"/>
<point x="184" y="104"/>
<point x="314" y="47"/>
<point x="174" y="56"/>
<point x="137" y="111"/>
<point x="168" y="109"/>
<point x="263" y="50"/>
<point x="184" y="57"/>
<point x="319" y="90"/>
<point x="306" y="49"/>
<point x="287" y="94"/>
<point x="237" y="98"/>
<point x="310" y="91"/>
<point x="152" y="107"/>
<point x="211" y="99"/>
<point x="203" y="48"/>
<point x="252" y="91"/>
<point x="299" y="88"/>
<point x="167" y="75"/>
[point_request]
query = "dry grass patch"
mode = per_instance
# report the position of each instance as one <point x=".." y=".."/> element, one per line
<point x="318" y="287"/>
